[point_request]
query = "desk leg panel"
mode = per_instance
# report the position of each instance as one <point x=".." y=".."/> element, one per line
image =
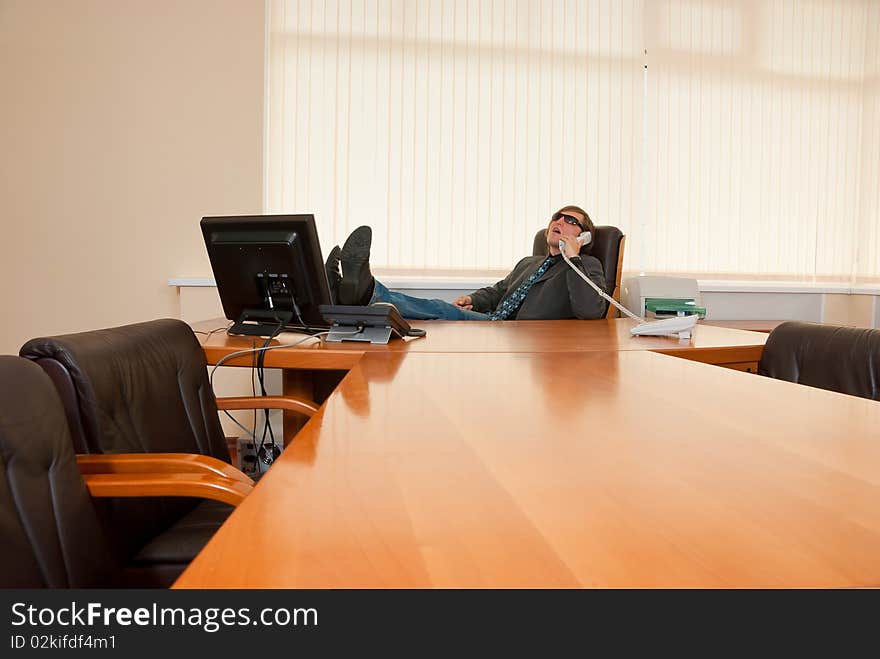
<point x="314" y="385"/>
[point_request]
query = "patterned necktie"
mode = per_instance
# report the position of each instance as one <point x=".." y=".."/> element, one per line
<point x="512" y="302"/>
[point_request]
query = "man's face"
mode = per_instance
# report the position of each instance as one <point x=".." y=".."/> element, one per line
<point x="567" y="226"/>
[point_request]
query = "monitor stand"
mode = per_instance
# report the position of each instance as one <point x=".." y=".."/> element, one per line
<point x="250" y="322"/>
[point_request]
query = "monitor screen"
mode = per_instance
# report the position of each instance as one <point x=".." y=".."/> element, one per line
<point x="267" y="267"/>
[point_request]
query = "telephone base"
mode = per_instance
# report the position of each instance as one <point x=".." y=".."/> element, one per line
<point x="680" y="325"/>
<point x="340" y="333"/>
<point x="375" y="323"/>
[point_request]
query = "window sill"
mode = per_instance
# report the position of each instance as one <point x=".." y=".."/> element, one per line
<point x="470" y="283"/>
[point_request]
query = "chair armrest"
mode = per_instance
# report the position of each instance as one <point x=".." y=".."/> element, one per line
<point x="307" y="407"/>
<point x="159" y="463"/>
<point x="200" y="486"/>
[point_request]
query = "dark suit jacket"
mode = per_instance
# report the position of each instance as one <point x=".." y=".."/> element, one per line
<point x="559" y="293"/>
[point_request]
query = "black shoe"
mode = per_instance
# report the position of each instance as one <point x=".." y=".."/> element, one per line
<point x="356" y="286"/>
<point x="333" y="274"/>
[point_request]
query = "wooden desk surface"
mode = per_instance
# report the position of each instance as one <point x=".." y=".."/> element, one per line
<point x="627" y="468"/>
<point x="708" y="344"/>
<point x="749" y="325"/>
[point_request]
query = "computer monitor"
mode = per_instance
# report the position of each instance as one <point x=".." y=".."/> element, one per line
<point x="269" y="272"/>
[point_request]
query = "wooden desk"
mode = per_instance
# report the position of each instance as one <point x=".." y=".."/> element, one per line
<point x="544" y="469"/>
<point x="715" y="345"/>
<point x="303" y="364"/>
<point x="749" y="325"/>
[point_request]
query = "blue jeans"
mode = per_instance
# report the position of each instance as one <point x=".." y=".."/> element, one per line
<point x="416" y="308"/>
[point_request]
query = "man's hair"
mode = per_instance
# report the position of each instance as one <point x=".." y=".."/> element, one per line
<point x="588" y="225"/>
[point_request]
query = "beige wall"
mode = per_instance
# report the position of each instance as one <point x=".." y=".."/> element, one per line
<point x="855" y="310"/>
<point x="122" y="123"/>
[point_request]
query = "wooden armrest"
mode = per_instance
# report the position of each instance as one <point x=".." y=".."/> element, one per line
<point x="159" y="463"/>
<point x="167" y="485"/>
<point x="306" y="407"/>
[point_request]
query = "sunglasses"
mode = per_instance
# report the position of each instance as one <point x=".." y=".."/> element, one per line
<point x="569" y="219"/>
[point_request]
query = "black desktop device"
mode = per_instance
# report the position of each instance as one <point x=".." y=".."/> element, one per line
<point x="269" y="272"/>
<point x="376" y="323"/>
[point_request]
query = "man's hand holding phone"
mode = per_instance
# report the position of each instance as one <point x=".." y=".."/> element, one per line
<point x="573" y="245"/>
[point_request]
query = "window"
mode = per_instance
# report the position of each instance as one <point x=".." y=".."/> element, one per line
<point x="749" y="149"/>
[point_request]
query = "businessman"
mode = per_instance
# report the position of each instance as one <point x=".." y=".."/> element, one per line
<point x="538" y="287"/>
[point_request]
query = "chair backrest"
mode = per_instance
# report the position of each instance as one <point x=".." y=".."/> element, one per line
<point x="842" y="359"/>
<point x="607" y="246"/>
<point x="52" y="536"/>
<point x="139" y="388"/>
<point x="136" y="388"/>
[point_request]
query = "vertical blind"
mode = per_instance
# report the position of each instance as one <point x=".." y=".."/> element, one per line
<point x="727" y="138"/>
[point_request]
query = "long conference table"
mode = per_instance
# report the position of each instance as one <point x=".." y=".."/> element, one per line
<point x="556" y="454"/>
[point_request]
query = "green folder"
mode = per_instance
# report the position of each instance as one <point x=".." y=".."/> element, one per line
<point x="672" y="307"/>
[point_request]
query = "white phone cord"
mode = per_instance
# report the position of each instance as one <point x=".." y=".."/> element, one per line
<point x="596" y="288"/>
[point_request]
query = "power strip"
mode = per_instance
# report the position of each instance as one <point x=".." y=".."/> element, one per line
<point x="248" y="457"/>
<point x="681" y="325"/>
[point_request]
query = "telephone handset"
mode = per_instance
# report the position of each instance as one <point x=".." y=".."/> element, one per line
<point x="582" y="239"/>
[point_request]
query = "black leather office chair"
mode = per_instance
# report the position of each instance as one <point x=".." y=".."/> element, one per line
<point x="842" y="359"/>
<point x="144" y="388"/>
<point x="608" y="244"/>
<point x="52" y="531"/>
